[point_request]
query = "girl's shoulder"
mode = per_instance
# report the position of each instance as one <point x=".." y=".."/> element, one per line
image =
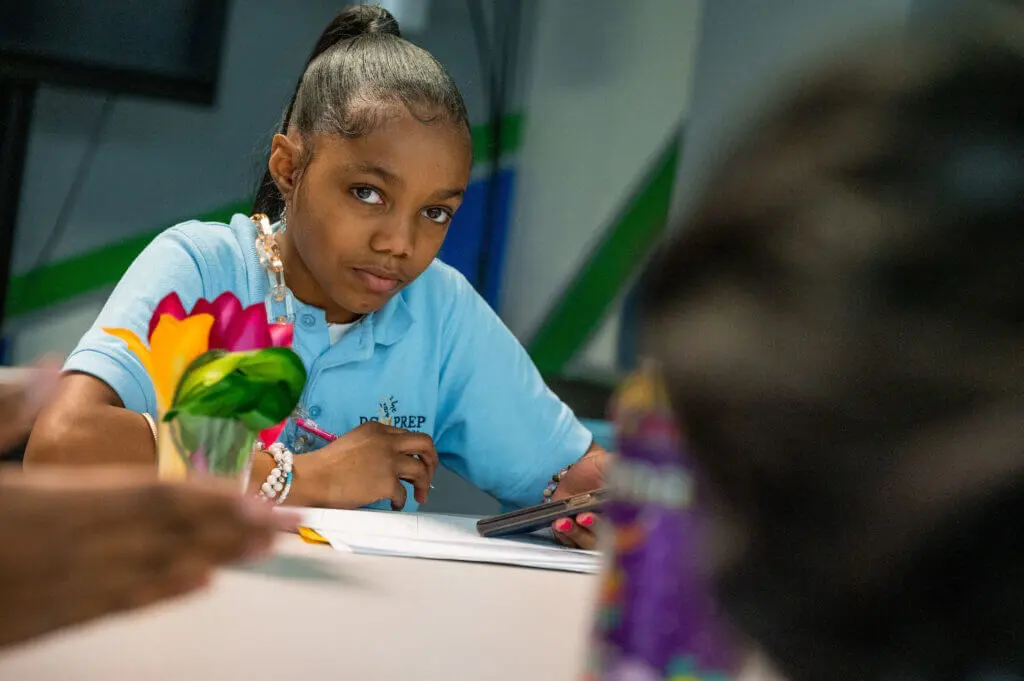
<point x="223" y="252"/>
<point x="213" y="242"/>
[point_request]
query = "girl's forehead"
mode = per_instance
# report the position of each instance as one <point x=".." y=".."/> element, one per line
<point x="438" y="150"/>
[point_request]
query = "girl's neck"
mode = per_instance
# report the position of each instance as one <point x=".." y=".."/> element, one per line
<point x="304" y="287"/>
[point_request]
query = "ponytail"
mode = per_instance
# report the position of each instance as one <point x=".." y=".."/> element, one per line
<point x="337" y="70"/>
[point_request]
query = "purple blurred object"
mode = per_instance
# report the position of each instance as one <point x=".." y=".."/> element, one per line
<point x="657" y="620"/>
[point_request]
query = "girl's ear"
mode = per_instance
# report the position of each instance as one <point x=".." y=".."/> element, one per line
<point x="285" y="155"/>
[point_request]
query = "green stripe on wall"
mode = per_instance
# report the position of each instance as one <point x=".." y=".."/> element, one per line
<point x="511" y="138"/>
<point x="62" y="280"/>
<point x="103" y="267"/>
<point x="622" y="250"/>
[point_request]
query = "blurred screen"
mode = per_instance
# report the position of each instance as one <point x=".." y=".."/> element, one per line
<point x="66" y="40"/>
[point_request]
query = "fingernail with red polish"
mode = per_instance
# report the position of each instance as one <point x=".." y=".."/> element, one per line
<point x="563" y="525"/>
<point x="586" y="519"/>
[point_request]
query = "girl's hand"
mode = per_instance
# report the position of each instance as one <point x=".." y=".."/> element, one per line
<point x="585" y="476"/>
<point x="81" y="544"/>
<point x="365" y="465"/>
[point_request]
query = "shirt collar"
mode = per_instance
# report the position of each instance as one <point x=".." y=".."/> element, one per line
<point x="386" y="326"/>
<point x="391" y="322"/>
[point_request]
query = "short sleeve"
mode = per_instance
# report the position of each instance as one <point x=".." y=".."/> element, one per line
<point x="172" y="262"/>
<point x="499" y="425"/>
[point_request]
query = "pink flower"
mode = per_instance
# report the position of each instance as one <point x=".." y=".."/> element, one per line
<point x="269" y="436"/>
<point x="234" y="329"/>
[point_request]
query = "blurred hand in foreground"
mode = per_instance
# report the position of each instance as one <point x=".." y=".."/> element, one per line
<point x="80" y="544"/>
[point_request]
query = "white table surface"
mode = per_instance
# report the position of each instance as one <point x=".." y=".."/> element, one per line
<point x="393" y="619"/>
<point x="390" y="618"/>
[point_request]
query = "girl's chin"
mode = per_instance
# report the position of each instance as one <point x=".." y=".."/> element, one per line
<point x="364" y="303"/>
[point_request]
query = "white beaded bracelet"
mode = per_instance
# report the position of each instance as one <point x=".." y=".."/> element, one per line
<point x="279" y="481"/>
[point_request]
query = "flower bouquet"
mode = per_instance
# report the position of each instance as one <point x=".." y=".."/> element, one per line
<point x="223" y="378"/>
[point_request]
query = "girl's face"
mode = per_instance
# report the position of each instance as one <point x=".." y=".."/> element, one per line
<point x="368" y="215"/>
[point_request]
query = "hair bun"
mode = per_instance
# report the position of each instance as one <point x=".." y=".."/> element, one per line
<point x="363" y="20"/>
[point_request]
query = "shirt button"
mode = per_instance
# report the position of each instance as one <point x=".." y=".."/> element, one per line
<point x="315" y="411"/>
<point x="307" y="320"/>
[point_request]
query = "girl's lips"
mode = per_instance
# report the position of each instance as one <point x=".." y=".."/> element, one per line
<point x="377" y="282"/>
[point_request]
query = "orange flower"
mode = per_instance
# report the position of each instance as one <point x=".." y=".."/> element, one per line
<point x="173" y="345"/>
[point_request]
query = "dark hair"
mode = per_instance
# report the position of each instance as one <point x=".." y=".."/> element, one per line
<point x="359" y="63"/>
<point x="841" y="322"/>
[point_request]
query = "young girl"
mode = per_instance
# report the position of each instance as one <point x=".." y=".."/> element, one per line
<point x="405" y="361"/>
<point x="841" y="324"/>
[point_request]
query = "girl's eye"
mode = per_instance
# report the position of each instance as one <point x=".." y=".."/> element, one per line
<point x="367" y="195"/>
<point x="438" y="215"/>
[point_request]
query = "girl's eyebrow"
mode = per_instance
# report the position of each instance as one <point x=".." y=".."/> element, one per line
<point x="449" y="194"/>
<point x="374" y="169"/>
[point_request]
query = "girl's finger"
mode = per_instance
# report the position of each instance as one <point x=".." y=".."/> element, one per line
<point x="582" y="535"/>
<point x="398" y="496"/>
<point x="414" y="471"/>
<point x="422" y="446"/>
<point x="587" y="524"/>
<point x="565" y="530"/>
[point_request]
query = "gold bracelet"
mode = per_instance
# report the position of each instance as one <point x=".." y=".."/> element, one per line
<point x="152" y="426"/>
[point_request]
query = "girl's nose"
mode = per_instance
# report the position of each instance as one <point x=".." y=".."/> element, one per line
<point x="394" y="236"/>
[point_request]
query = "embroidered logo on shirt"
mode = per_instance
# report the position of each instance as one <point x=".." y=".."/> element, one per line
<point x="387" y="413"/>
<point x="387" y="409"/>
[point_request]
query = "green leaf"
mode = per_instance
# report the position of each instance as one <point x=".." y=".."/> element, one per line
<point x="260" y="388"/>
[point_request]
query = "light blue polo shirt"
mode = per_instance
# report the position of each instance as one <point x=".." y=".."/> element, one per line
<point x="435" y="359"/>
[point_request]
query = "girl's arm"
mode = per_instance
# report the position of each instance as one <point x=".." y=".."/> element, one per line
<point x="97" y="414"/>
<point x="498" y="425"/>
<point x="87" y="424"/>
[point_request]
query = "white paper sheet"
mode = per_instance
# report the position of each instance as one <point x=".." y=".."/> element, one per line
<point x="440" y="537"/>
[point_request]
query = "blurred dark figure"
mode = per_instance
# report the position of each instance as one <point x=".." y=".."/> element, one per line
<point x="842" y="324"/>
